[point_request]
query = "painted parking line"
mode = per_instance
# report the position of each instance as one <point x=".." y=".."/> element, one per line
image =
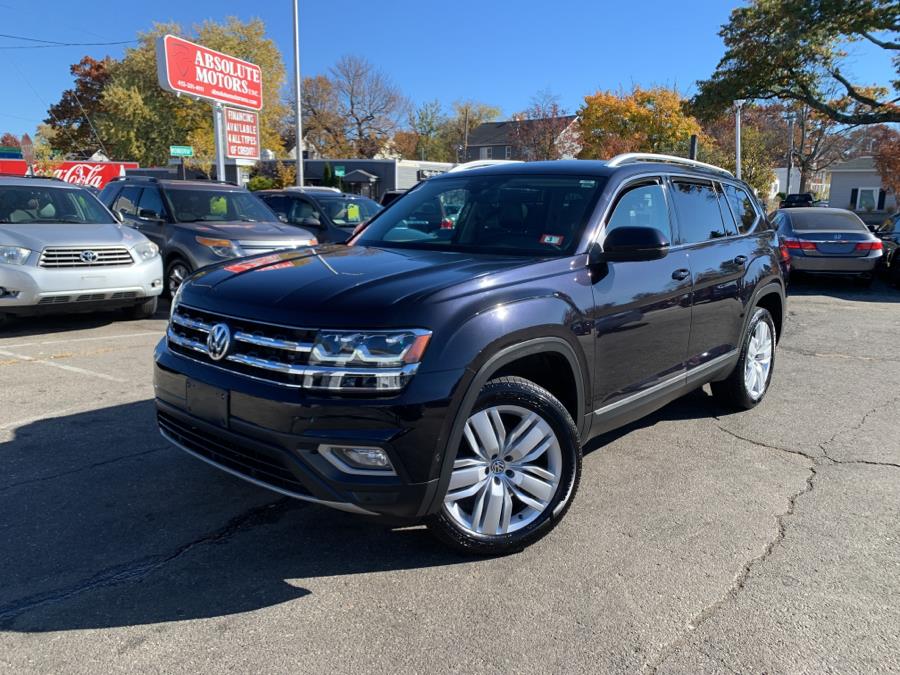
<point x="123" y="336"/>
<point x="62" y="366"/>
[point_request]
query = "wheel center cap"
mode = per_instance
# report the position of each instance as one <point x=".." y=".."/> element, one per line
<point x="498" y="466"/>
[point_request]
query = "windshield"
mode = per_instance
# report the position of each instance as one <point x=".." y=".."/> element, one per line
<point x="506" y="214"/>
<point x="192" y="205"/>
<point x="348" y="210"/>
<point x="827" y="220"/>
<point x="46" y="204"/>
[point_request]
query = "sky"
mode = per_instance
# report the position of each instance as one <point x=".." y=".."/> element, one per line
<point x="500" y="52"/>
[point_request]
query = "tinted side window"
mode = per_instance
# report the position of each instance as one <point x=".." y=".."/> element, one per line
<point x="643" y="206"/>
<point x="699" y="217"/>
<point x="109" y="193"/>
<point x="278" y="203"/>
<point x="742" y="207"/>
<point x="127" y="201"/>
<point x="303" y="208"/>
<point x="150" y="201"/>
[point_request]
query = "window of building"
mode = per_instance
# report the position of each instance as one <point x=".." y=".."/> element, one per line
<point x="486" y="152"/>
<point x="642" y="206"/>
<point x="867" y="199"/>
<point x="699" y="216"/>
<point x="508" y="152"/>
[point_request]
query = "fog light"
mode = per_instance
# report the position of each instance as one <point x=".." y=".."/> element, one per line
<point x="358" y="459"/>
<point x="156" y="283"/>
<point x="8" y="292"/>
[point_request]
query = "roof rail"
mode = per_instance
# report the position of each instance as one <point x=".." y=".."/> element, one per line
<point x="30" y="175"/>
<point x="149" y="179"/>
<point x="630" y="157"/>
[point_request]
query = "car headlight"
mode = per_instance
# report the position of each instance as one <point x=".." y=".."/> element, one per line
<point x="14" y="255"/>
<point x="146" y="250"/>
<point x="224" y="248"/>
<point x="357" y="349"/>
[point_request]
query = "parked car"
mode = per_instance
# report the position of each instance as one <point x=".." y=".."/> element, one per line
<point x="61" y="250"/>
<point x="453" y="376"/>
<point x="889" y="233"/>
<point x="828" y="241"/>
<point x="797" y="200"/>
<point x="197" y="223"/>
<point x="331" y="214"/>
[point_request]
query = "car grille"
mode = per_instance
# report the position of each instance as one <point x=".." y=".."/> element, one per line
<point x="60" y="256"/>
<point x="274" y="353"/>
<point x="87" y="297"/>
<point x="258" y="247"/>
<point x="265" y="467"/>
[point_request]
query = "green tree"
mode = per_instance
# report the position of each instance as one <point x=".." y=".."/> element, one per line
<point x="797" y="50"/>
<point x="426" y="122"/>
<point x="74" y="116"/>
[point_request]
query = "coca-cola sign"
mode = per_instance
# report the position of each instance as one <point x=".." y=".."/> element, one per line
<point x="187" y="68"/>
<point x="93" y="174"/>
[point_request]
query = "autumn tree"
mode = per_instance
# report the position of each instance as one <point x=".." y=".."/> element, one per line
<point x="465" y="116"/>
<point x="644" y="120"/>
<point x="74" y="116"/>
<point x="759" y="152"/>
<point x="405" y="144"/>
<point x="797" y="50"/>
<point x="887" y="159"/>
<point x="544" y="130"/>
<point x="9" y="140"/>
<point x="323" y="126"/>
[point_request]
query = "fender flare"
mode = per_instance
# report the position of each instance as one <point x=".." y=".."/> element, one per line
<point x="469" y="393"/>
<point x="771" y="287"/>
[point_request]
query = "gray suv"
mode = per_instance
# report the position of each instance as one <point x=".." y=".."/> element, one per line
<point x="197" y="223"/>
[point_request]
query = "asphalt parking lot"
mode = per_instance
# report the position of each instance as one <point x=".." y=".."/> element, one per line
<point x="700" y="541"/>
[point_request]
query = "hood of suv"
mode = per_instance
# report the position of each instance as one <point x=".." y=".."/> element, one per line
<point x="37" y="236"/>
<point x="349" y="285"/>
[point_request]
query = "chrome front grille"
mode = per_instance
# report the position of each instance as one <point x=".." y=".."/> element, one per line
<point x="56" y="257"/>
<point x="275" y="353"/>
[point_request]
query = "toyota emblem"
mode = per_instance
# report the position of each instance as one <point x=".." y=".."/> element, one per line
<point x="88" y="256"/>
<point x="218" y="341"/>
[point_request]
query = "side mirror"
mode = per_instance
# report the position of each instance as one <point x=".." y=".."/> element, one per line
<point x="282" y="217"/>
<point x="149" y="214"/>
<point x="309" y="222"/>
<point x="631" y="244"/>
<point x="118" y="216"/>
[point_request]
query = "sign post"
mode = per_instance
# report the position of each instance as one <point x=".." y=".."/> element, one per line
<point x="189" y="69"/>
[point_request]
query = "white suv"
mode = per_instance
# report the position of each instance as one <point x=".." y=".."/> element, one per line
<point x="62" y="250"/>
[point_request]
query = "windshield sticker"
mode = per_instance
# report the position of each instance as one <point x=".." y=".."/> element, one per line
<point x="552" y="239"/>
<point x="587" y="183"/>
<point x="353" y="213"/>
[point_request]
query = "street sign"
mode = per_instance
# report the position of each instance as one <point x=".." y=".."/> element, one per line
<point x="340" y="171"/>
<point x="187" y="68"/>
<point x="241" y="134"/>
<point x="181" y="151"/>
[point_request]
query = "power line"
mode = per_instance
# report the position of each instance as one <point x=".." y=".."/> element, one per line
<point x="54" y="43"/>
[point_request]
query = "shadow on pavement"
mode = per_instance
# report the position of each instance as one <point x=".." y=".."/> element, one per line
<point x="50" y="324"/>
<point x="105" y="524"/>
<point x="843" y="288"/>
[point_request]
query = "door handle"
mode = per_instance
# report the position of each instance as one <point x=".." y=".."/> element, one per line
<point x="681" y="274"/>
<point x="740" y="260"/>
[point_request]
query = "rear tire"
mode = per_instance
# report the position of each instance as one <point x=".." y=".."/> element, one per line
<point x="748" y="383"/>
<point x="143" y="310"/>
<point x="515" y="472"/>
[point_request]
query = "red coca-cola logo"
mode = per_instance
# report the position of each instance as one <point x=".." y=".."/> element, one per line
<point x="82" y="174"/>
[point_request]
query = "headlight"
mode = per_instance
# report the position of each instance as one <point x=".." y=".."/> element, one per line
<point x="387" y="349"/>
<point x="14" y="255"/>
<point x="146" y="250"/>
<point x="224" y="248"/>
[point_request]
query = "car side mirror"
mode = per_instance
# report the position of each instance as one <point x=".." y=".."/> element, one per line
<point x="281" y="216"/>
<point x="149" y="214"/>
<point x="631" y="244"/>
<point x="118" y="216"/>
<point x="309" y="222"/>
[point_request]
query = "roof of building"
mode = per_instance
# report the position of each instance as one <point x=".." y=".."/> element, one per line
<point x="498" y="133"/>
<point x="858" y="164"/>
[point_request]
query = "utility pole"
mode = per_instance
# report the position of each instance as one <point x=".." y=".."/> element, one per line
<point x="298" y="113"/>
<point x="465" y="157"/>
<point x="737" y="136"/>
<point x="790" y="158"/>
<point x="219" y="131"/>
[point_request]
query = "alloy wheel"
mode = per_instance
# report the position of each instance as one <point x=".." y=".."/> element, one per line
<point x="758" y="361"/>
<point x="177" y="274"/>
<point x="507" y="471"/>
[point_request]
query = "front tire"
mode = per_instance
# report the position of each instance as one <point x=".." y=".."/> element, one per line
<point x="748" y="383"/>
<point x="515" y="472"/>
<point x="176" y="272"/>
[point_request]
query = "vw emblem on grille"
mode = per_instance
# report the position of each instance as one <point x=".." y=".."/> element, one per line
<point x="218" y="341"/>
<point x="88" y="256"/>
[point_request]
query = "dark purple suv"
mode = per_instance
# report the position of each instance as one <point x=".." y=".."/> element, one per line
<point x="452" y="374"/>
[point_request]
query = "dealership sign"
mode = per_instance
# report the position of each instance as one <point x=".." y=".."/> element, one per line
<point x="187" y="68"/>
<point x="93" y="174"/>
<point x="241" y="134"/>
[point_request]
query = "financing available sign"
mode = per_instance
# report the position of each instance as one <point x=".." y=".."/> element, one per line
<point x="241" y="134"/>
<point x="187" y="68"/>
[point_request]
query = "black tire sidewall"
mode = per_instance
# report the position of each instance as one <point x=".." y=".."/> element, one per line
<point x="518" y="391"/>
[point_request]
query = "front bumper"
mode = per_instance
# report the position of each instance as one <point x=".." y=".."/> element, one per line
<point x="270" y="434"/>
<point x="835" y="264"/>
<point x="30" y="287"/>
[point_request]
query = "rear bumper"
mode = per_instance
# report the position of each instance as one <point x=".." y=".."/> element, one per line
<point x="270" y="435"/>
<point x="32" y="289"/>
<point x="834" y="264"/>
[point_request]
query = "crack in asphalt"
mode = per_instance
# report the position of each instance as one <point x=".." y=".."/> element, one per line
<point x="142" y="567"/>
<point x="836" y="355"/>
<point x="95" y="465"/>
<point x="741" y="579"/>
